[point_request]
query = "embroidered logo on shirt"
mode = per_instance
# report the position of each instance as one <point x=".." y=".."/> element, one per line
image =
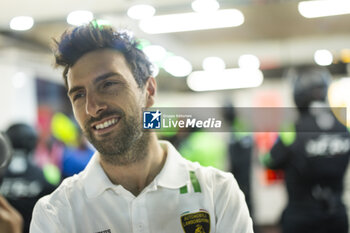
<point x="105" y="231"/>
<point x="198" y="222"/>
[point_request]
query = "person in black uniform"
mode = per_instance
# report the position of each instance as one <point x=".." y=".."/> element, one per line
<point x="24" y="182"/>
<point x="314" y="158"/>
<point x="240" y="152"/>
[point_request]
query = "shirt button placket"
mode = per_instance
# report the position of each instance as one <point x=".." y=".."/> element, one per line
<point x="137" y="216"/>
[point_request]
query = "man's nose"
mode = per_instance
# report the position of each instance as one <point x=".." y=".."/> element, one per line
<point x="94" y="106"/>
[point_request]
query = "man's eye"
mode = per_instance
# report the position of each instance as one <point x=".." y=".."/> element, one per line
<point x="77" y="96"/>
<point x="108" y="84"/>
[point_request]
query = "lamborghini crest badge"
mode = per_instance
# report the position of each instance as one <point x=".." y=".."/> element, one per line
<point x="198" y="222"/>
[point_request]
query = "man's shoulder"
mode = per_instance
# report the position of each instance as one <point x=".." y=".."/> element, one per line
<point x="54" y="211"/>
<point x="209" y="174"/>
<point x="64" y="193"/>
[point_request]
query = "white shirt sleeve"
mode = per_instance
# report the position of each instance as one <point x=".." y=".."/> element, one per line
<point x="45" y="219"/>
<point x="231" y="211"/>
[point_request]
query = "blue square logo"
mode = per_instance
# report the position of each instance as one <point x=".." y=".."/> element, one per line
<point x="152" y="119"/>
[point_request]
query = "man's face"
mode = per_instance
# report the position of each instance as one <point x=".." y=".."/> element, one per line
<point x="107" y="102"/>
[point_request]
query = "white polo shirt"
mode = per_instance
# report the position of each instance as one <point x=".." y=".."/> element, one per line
<point x="183" y="197"/>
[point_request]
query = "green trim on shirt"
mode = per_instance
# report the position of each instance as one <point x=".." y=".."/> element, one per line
<point x="183" y="189"/>
<point x="195" y="182"/>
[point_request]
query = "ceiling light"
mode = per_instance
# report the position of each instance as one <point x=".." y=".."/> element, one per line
<point x="155" y="70"/>
<point x="323" y="57"/>
<point x="249" y="61"/>
<point x="313" y="9"/>
<point x="155" y="53"/>
<point x="213" y="64"/>
<point x="78" y="18"/>
<point x="21" y="23"/>
<point x="226" y="79"/>
<point x="192" y="21"/>
<point x="141" y="11"/>
<point x="202" y="6"/>
<point x="177" y="66"/>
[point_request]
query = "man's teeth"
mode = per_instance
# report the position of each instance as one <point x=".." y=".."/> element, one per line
<point x="106" y="124"/>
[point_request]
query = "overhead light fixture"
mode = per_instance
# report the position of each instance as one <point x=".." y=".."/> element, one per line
<point x="141" y="11"/>
<point x="213" y="64"/>
<point x="192" y="21"/>
<point x="226" y="79"/>
<point x="177" y="66"/>
<point x="322" y="8"/>
<point x="78" y="18"/>
<point x="155" y="70"/>
<point x="323" y="57"/>
<point x="155" y="53"/>
<point x="249" y="61"/>
<point x="202" y="6"/>
<point x="21" y="23"/>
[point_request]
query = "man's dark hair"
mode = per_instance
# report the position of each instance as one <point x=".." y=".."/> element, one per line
<point x="78" y="41"/>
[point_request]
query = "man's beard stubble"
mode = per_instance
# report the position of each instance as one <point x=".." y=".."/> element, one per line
<point x="127" y="147"/>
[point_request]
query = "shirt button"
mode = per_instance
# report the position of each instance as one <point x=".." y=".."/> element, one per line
<point x="140" y="226"/>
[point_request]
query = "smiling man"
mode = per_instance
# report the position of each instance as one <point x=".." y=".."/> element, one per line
<point x="133" y="183"/>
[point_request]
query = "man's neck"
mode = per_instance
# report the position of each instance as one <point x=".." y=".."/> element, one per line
<point x="136" y="176"/>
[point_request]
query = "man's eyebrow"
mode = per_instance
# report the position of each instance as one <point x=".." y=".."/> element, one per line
<point x="74" y="89"/>
<point x="105" y="76"/>
<point x="98" y="79"/>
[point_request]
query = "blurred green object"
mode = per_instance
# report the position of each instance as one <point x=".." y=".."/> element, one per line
<point x="206" y="148"/>
<point x="240" y="128"/>
<point x="265" y="159"/>
<point x="288" y="135"/>
<point x="52" y="174"/>
<point x="64" y="129"/>
<point x="142" y="43"/>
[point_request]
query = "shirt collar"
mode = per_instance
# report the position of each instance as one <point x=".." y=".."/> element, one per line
<point x="95" y="180"/>
<point x="174" y="173"/>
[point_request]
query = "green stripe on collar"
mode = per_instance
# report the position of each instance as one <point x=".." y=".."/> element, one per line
<point x="195" y="182"/>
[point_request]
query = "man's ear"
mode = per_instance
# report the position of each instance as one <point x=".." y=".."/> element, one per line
<point x="150" y="87"/>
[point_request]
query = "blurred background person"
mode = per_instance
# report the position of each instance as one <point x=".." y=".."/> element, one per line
<point x="24" y="182"/>
<point x="10" y="220"/>
<point x="314" y="157"/>
<point x="240" y="152"/>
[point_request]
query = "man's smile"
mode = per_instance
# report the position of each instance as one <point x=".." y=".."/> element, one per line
<point x="106" y="125"/>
